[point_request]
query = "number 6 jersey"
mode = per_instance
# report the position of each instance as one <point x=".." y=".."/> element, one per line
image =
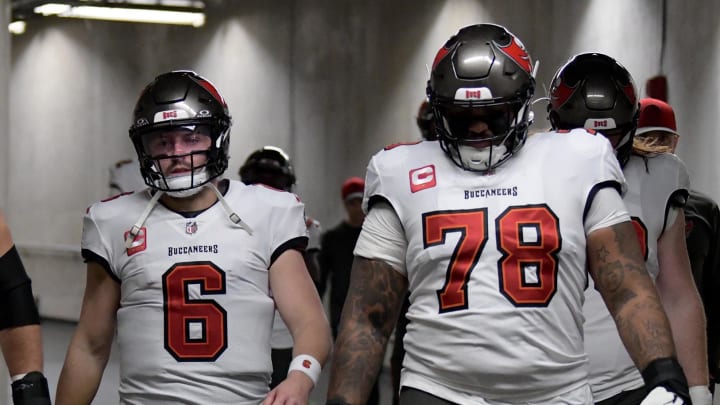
<point x="495" y="265"/>
<point x="195" y="310"/>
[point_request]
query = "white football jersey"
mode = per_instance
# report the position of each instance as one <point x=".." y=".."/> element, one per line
<point x="196" y="309"/>
<point x="654" y="184"/>
<point x="495" y="265"/>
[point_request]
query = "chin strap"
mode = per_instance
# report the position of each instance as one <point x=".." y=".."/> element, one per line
<point x="235" y="218"/>
<point x="141" y="221"/>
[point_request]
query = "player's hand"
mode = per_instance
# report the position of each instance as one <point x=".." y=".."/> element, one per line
<point x="31" y="390"/>
<point x="662" y="396"/>
<point x="294" y="390"/>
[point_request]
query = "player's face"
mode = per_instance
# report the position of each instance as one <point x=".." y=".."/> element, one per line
<point x="180" y="149"/>
<point x="354" y="209"/>
<point x="475" y="126"/>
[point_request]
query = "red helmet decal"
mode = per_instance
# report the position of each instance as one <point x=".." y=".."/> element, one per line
<point x="516" y="51"/>
<point x="212" y="90"/>
<point x="629" y="91"/>
<point x="561" y="93"/>
<point x="442" y="53"/>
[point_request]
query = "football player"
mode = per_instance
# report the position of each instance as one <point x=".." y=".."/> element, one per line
<point x="20" y="335"/>
<point x="271" y="166"/>
<point x="490" y="231"/>
<point x="192" y="286"/>
<point x="595" y="92"/>
<point x="657" y="133"/>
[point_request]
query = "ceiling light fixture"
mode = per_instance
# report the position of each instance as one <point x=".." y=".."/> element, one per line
<point x="128" y="11"/>
<point x="17" y="27"/>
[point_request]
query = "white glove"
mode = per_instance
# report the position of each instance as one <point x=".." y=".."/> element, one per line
<point x="661" y="396"/>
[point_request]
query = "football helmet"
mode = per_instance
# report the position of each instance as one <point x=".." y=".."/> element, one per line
<point x="594" y="91"/>
<point x="185" y="101"/>
<point x="482" y="74"/>
<point x="270" y="166"/>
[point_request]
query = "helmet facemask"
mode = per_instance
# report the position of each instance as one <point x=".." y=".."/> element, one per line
<point x="196" y="163"/>
<point x="503" y="129"/>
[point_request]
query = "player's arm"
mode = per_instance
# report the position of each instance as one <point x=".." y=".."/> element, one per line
<point x="369" y="315"/>
<point x="299" y="305"/>
<point x="616" y="264"/>
<point x="89" y="348"/>
<point x="682" y="303"/>
<point x="378" y="286"/>
<point x="20" y="335"/>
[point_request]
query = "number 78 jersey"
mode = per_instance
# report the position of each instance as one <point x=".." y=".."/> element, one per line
<point x="495" y="264"/>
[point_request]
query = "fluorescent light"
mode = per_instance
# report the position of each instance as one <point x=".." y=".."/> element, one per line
<point x="196" y="19"/>
<point x="129" y="14"/>
<point x="17" y="27"/>
<point x="51" y="9"/>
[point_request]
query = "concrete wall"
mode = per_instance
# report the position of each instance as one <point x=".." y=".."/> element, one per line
<point x="330" y="81"/>
<point x="4" y="78"/>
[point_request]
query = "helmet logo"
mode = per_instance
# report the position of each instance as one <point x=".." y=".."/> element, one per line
<point x="204" y="113"/>
<point x="478" y="93"/>
<point x="161" y="116"/>
<point x="596" y="123"/>
<point x="141" y="122"/>
<point x="515" y="50"/>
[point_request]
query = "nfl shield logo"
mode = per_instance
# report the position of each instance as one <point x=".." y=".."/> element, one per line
<point x="191" y="227"/>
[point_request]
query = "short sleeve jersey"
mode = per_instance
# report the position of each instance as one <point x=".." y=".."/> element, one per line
<point x="196" y="309"/>
<point x="495" y="264"/>
<point x="654" y="185"/>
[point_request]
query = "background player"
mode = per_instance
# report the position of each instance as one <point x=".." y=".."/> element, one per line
<point x="271" y="166"/>
<point x="657" y="133"/>
<point x="594" y="91"/>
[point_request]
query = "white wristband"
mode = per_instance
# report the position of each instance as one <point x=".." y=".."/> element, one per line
<point x="700" y="395"/>
<point x="17" y="377"/>
<point x="308" y="365"/>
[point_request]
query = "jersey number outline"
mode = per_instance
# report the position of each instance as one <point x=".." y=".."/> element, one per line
<point x="203" y="318"/>
<point x="528" y="239"/>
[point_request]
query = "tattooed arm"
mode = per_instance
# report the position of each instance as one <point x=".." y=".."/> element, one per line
<point x="369" y="315"/>
<point x="616" y="265"/>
